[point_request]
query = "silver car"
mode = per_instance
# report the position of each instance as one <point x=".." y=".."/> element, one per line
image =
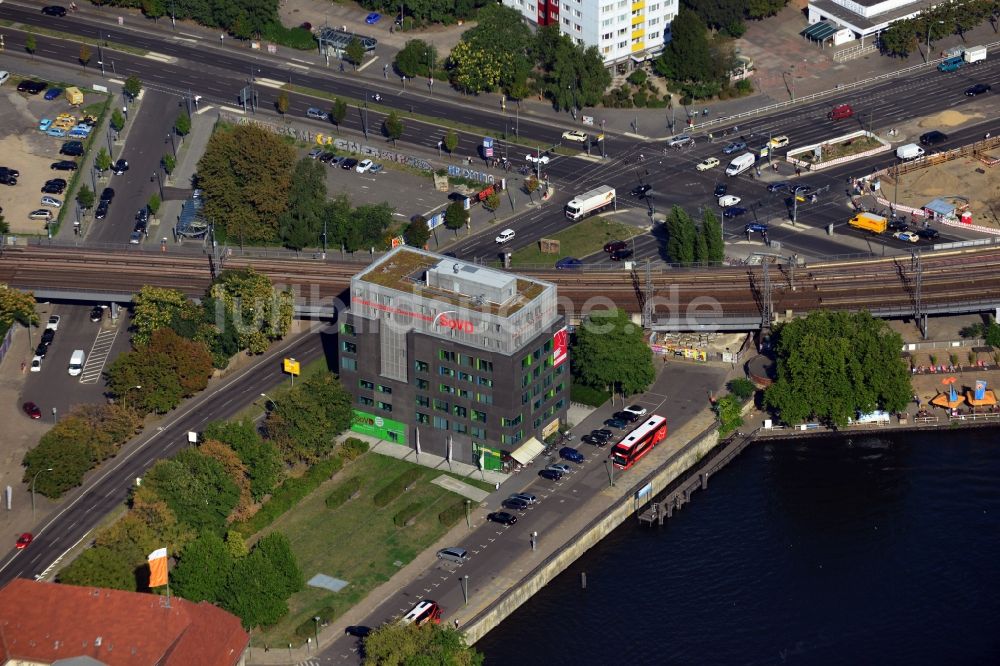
<point x="453" y="554"/>
<point x="527" y="497"/>
<point x="562" y="468"/>
<point x="51" y="201"/>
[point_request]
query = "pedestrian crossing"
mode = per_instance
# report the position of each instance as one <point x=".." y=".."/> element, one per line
<point x="98" y="356"/>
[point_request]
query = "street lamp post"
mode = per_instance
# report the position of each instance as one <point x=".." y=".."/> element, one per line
<point x="468" y="513"/>
<point x="465" y="588"/>
<point x="610" y="466"/>
<point x="173" y="146"/>
<point x="33" y="489"/>
<point x="364" y="113"/>
<point x="125" y="394"/>
<point x="269" y="398"/>
<point x="316" y="629"/>
<point x="156" y="175"/>
<point x="534" y="540"/>
<point x="927" y="41"/>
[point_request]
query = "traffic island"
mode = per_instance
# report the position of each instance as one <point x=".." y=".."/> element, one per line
<point x="838" y="150"/>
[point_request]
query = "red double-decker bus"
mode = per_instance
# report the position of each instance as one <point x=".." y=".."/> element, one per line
<point x="639" y="442"/>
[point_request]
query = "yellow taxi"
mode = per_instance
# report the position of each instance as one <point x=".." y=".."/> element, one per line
<point x="779" y="141"/>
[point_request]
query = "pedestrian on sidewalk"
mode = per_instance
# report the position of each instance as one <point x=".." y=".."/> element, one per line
<point x="456" y="624"/>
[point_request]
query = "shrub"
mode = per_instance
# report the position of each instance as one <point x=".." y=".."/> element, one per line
<point x="452" y="514"/>
<point x="290" y="493"/>
<point x="295" y="38"/>
<point x="352" y="448"/>
<point x="742" y="388"/>
<point x="639" y="98"/>
<point x="407" y="513"/>
<point x="396" y="487"/>
<point x="586" y="395"/>
<point x="638" y="77"/>
<point x="343" y="492"/>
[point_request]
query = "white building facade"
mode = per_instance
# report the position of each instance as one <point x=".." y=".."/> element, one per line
<point x="625" y="32"/>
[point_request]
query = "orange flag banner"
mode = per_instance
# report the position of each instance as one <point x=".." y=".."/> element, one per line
<point x="158" y="567"/>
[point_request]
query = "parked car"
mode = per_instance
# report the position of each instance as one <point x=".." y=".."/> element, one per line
<point x="502" y="517"/>
<point x="978" y="89"/>
<point x="641" y="190"/>
<point x="52" y="93"/>
<point x="906" y="236"/>
<point x="734" y="211"/>
<point x="54" y="186"/>
<point x="571" y="454"/>
<point x="135" y="238"/>
<point x="36" y="363"/>
<point x="638" y="410"/>
<point x="8" y="179"/>
<point x="107" y="194"/>
<point x="101" y="211"/>
<point x="56" y="132"/>
<point x="358" y="631"/>
<point x="928" y="234"/>
<point x="63" y="165"/>
<point x="550" y="474"/>
<point x="31" y="87"/>
<point x="48" y="335"/>
<point x="568" y="263"/>
<point x="71" y="148"/>
<point x="562" y="468"/>
<point x="735" y="147"/>
<point x="53" y="323"/>
<point x="363" y="166"/>
<point x="527" y="497"/>
<point x="628" y="417"/>
<point x="514" y="504"/>
<point x="721" y="189"/>
<point x="24" y="541"/>
<point x="44" y="124"/>
<point x="4" y="75"/>
<point x="376" y="168"/>
<point x="707" y="163"/>
<point x="373" y="18"/>
<point x="51" y="201"/>
<point x="119" y="167"/>
<point x="348" y="163"/>
<point x="326" y="157"/>
<point x="616" y="423"/>
<point x="596" y="441"/>
<point x="620" y="255"/>
<point x="32" y="410"/>
<point x="614" y="246"/>
<point x="603" y="432"/>
<point x="40" y="214"/>
<point x="752" y="227"/>
<point x="729" y="200"/>
<point x="453" y="554"/>
<point x="575" y="136"/>
<point x="315" y="153"/>
<point x="97" y="313"/>
<point x="42" y="350"/>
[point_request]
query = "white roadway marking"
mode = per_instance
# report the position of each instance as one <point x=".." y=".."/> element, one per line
<point x="362" y="68"/>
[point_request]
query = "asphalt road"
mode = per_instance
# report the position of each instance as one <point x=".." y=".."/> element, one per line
<point x="81" y="510"/>
<point x="678" y="394"/>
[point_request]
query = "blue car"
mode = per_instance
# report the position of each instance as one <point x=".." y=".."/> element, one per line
<point x="373" y="18"/>
<point x="52" y="93"/>
<point x="734" y="147"/>
<point x="568" y="263"/>
<point x="755" y="226"/>
<point x="56" y="132"/>
<point x="571" y="454"/>
<point x="734" y="211"/>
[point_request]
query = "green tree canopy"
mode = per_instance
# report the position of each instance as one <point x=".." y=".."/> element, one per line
<point x="355" y="52"/>
<point x="416" y="58"/>
<point x="261" y="457"/>
<point x="711" y="228"/>
<point x="455" y="216"/>
<point x="259" y="312"/>
<point x="183" y="123"/>
<point x="196" y="488"/>
<point x="16" y="305"/>
<point x="416" y="232"/>
<point x="395" y="644"/>
<point x="681" y="236"/>
<point x="392" y="127"/>
<point x="338" y="112"/>
<point x="202" y="570"/>
<point x="133" y="86"/>
<point x="307" y="418"/>
<point x="301" y="225"/>
<point x="834" y="365"/>
<point x="609" y="352"/>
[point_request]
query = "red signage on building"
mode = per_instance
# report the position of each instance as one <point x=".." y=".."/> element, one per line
<point x="560" y="346"/>
<point x="456" y="324"/>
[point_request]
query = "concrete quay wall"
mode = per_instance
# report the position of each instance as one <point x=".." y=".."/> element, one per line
<point x="627" y="497"/>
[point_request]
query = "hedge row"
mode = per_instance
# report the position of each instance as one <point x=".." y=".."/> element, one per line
<point x="290" y="493"/>
<point x="406" y="513"/>
<point x="353" y="448"/>
<point x="397" y="486"/>
<point x="452" y="514"/>
<point x="343" y="492"/>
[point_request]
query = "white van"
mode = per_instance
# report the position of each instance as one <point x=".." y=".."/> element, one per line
<point x="740" y="164"/>
<point x="910" y="151"/>
<point x="76" y="362"/>
<point x="505" y="236"/>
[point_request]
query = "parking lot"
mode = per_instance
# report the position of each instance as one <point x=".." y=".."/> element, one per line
<point x="31" y="152"/>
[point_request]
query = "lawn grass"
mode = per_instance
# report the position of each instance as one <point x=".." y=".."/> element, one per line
<point x="583" y="238"/>
<point x="253" y="409"/>
<point x="357" y="541"/>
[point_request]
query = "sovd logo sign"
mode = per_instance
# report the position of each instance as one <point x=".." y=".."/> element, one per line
<point x="455" y="324"/>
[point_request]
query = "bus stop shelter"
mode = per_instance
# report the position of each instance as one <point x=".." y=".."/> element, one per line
<point x="333" y="41"/>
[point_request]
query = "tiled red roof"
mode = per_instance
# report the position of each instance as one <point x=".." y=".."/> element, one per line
<point x="47" y="621"/>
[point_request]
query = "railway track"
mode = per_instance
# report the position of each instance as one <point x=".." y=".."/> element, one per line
<point x="957" y="275"/>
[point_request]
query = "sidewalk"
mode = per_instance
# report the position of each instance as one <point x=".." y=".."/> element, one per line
<point x="189" y="150"/>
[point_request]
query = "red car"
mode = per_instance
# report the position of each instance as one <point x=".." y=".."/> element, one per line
<point x="32" y="410"/>
<point x="24" y="540"/>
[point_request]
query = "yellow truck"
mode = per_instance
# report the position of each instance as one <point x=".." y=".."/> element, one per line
<point x="869" y="222"/>
<point x="74" y="96"/>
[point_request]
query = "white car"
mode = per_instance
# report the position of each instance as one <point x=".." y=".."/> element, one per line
<point x="505" y="236"/>
<point x="36" y="364"/>
<point x="53" y="323"/>
<point x="4" y="75"/>
<point x="574" y="135"/>
<point x="363" y="166"/>
<point x="729" y="200"/>
<point x="544" y="159"/>
<point x="51" y="201"/>
<point x="707" y="164"/>
<point x="907" y="236"/>
<point x="638" y="410"/>
<point x="679" y="141"/>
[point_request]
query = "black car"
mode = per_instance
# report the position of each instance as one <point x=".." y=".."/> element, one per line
<point x="630" y="417"/>
<point x="140" y="226"/>
<point x="326" y="157"/>
<point x="102" y="210"/>
<point x="48" y="335"/>
<point x="614" y="246"/>
<point x="596" y="441"/>
<point x="54" y="10"/>
<point x="720" y="189"/>
<point x="602" y="432"/>
<point x="978" y="89"/>
<point x="119" y="167"/>
<point x="896" y="224"/>
<point x="63" y="165"/>
<point x="72" y="148"/>
<point x="777" y="187"/>
<point x="928" y="234"/>
<point x="32" y="87"/>
<point x="358" y="631"/>
<point x="616" y="423"/>
<point x="502" y="517"/>
<point x="97" y="314"/>
<point x="54" y="186"/>
<point x="107" y="194"/>
<point x="142" y="215"/>
<point x="8" y="179"/>
<point x="933" y="137"/>
<point x="10" y="172"/>
<point x="550" y="474"/>
<point x="514" y="504"/>
<point x="641" y="190"/>
<point x="349" y="163"/>
<point x="734" y="211"/>
<point x="619" y="255"/>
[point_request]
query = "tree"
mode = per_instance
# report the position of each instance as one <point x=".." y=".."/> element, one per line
<point x="307" y="418"/>
<point x="85" y="197"/>
<point x="117" y="120"/>
<point x="338" y="112"/>
<point x="681" y="236"/>
<point x="276" y="549"/>
<point x="253" y="591"/>
<point x="741" y="387"/>
<point x="416" y="58"/>
<point x="245" y="176"/>
<point x="395" y="644"/>
<point x="729" y="409"/>
<point x="355" y="52"/>
<point x="260" y="313"/>
<point x="4" y="226"/>
<point x="16" y="305"/>
<point x="492" y="202"/>
<point x="84" y="55"/>
<point x="281" y="103"/>
<point x="195" y="487"/>
<point x="133" y="86"/>
<point x="700" y="246"/>
<point x="237" y="471"/>
<point x="712" y="230"/>
<point x="301" y="225"/>
<point x="392" y="127"/>
<point x="574" y="76"/>
<point x="689" y="59"/>
<point x="103" y="160"/>
<point x="416" y="232"/>
<point x="155" y="308"/>
<point x="153" y="204"/>
<point x="169" y="163"/>
<point x="30" y="45"/>
<point x="455" y="216"/>
<point x="202" y="569"/>
<point x="183" y="124"/>
<point x="451" y="141"/>
<point x="261" y="458"/>
<point x="610" y="353"/>
<point x="101" y="567"/>
<point x="831" y="366"/>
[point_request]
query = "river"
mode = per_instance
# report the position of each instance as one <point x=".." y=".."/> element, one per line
<point x="853" y="550"/>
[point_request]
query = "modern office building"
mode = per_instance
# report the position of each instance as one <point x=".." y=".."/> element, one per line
<point x="844" y="20"/>
<point x="454" y="358"/>
<point x="626" y="32"/>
